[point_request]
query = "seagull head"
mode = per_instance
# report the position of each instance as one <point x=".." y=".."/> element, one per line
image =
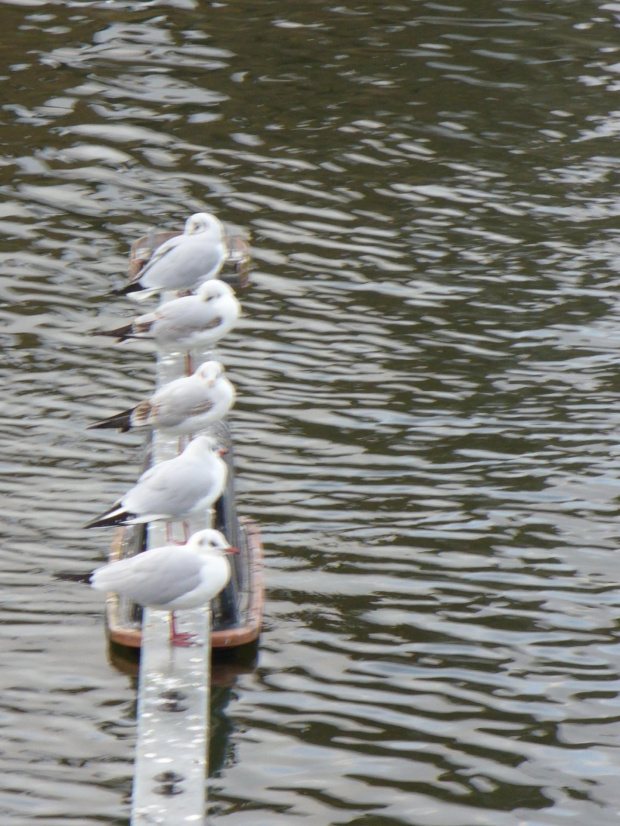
<point x="202" y="447"/>
<point x="211" y="543"/>
<point x="204" y="222"/>
<point x="210" y="372"/>
<point x="213" y="289"/>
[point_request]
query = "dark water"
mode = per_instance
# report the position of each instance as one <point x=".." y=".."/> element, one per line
<point x="427" y="369"/>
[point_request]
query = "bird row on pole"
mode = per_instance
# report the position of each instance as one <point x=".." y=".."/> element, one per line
<point x="178" y="576"/>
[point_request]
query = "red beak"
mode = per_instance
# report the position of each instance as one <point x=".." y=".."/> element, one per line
<point x="232" y="550"/>
<point x="223" y="451"/>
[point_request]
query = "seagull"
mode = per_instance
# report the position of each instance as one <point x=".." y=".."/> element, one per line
<point x="184" y="406"/>
<point x="173" y="489"/>
<point x="184" y="261"/>
<point x="172" y="577"/>
<point x="188" y="322"/>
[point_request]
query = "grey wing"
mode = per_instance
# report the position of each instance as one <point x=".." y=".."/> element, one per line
<point x="179" y="400"/>
<point x="211" y="261"/>
<point x="163" y="250"/>
<point x="171" y="487"/>
<point x="183" y="317"/>
<point x="154" y="578"/>
<point x="188" y="262"/>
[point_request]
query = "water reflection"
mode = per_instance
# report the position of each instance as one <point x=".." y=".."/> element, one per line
<point x="426" y="371"/>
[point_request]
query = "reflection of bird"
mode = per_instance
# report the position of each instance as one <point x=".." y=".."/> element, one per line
<point x="188" y="322"/>
<point x="172" y="577"/>
<point x="185" y="405"/>
<point x="184" y="261"/>
<point x="173" y="489"/>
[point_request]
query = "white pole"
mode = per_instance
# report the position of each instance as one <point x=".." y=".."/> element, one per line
<point x="170" y="774"/>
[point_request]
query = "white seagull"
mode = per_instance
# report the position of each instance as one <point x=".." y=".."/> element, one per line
<point x="172" y="577"/>
<point x="188" y="322"/>
<point x="184" y="406"/>
<point x="174" y="489"/>
<point x="185" y="261"/>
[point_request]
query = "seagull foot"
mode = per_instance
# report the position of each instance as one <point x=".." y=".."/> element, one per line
<point x="183" y="639"/>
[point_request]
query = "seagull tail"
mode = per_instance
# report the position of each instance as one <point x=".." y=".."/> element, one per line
<point x="132" y="287"/>
<point x="120" y="333"/>
<point x="121" y="421"/>
<point x="117" y="515"/>
<point x="136" y="291"/>
<point x="70" y="576"/>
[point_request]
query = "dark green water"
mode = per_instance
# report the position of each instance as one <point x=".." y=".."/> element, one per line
<point x="427" y="423"/>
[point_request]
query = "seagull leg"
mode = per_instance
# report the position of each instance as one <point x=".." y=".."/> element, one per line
<point x="188" y="363"/>
<point x="170" y="537"/>
<point x="182" y="639"/>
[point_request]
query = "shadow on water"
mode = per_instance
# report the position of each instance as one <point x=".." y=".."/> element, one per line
<point x="426" y="369"/>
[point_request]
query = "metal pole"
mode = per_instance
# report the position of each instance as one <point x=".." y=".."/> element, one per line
<point x="170" y="774"/>
<point x="170" y="777"/>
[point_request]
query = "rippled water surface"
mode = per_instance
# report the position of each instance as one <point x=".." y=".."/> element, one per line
<point x="427" y="425"/>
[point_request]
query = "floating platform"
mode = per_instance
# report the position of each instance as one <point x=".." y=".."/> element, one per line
<point x="237" y="612"/>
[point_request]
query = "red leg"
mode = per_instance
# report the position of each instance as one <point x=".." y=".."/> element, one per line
<point x="170" y="538"/>
<point x="179" y="638"/>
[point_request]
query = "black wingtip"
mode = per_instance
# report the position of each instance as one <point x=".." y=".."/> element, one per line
<point x="68" y="576"/>
<point x="121" y="421"/>
<point x="111" y="519"/>
<point x="120" y="333"/>
<point x="132" y="287"/>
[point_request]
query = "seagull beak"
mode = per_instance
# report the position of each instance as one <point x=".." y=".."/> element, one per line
<point x="232" y="550"/>
<point x="222" y="451"/>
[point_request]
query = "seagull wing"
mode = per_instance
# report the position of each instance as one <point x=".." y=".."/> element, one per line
<point x="171" y="488"/>
<point x="182" y="317"/>
<point x="180" y="400"/>
<point x="159" y="255"/>
<point x="155" y="578"/>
